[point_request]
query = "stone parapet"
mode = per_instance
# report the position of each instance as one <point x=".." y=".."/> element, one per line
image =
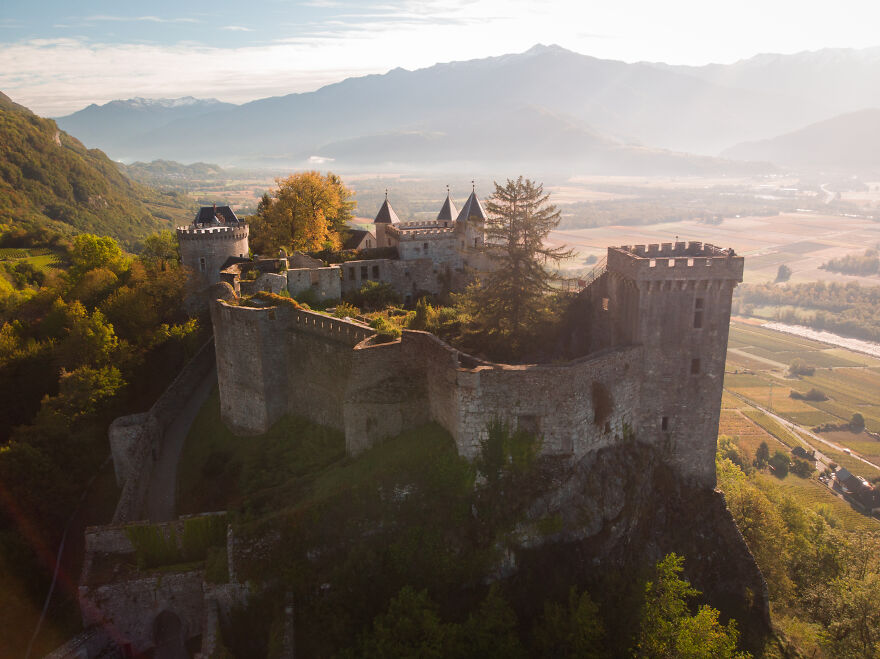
<point x="213" y="233"/>
<point x="669" y="261"/>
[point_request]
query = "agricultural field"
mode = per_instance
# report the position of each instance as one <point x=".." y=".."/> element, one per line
<point x="803" y="241"/>
<point x="39" y="258"/>
<point x="749" y="427"/>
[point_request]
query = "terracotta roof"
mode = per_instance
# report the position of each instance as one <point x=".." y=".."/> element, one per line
<point x="472" y="209"/>
<point x="386" y="214"/>
<point x="448" y="211"/>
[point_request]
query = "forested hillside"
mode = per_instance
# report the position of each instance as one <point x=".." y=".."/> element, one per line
<point x="49" y="180"/>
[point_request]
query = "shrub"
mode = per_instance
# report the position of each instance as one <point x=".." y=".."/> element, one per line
<point x="799" y="367"/>
<point x="346" y="310"/>
<point x="375" y="295"/>
<point x="780" y="463"/>
<point x="801" y="468"/>
<point x="857" y="422"/>
<point x="385" y="330"/>
<point x="816" y="395"/>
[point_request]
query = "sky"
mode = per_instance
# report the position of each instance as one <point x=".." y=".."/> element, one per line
<point x="57" y="56"/>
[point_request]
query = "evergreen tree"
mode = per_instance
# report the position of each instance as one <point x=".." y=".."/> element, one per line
<point x="509" y="300"/>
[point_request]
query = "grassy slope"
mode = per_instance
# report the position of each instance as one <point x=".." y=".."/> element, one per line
<point x="48" y="178"/>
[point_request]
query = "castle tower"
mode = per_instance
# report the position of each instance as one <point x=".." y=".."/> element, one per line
<point x="215" y="236"/>
<point x="674" y="300"/>
<point x="385" y="218"/>
<point x="471" y="223"/>
<point x="448" y="211"/>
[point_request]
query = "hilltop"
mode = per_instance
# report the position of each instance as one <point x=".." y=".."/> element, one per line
<point x="848" y="142"/>
<point x="49" y="179"/>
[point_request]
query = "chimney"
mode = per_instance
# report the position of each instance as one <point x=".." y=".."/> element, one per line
<point x="215" y="210"/>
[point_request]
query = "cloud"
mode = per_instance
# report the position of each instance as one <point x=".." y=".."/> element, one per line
<point x="236" y="28"/>
<point x="132" y="19"/>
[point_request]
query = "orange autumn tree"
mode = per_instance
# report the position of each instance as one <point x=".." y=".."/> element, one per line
<point x="307" y="211"/>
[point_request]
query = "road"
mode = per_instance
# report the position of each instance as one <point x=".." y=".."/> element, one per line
<point x="793" y="426"/>
<point x="162" y="495"/>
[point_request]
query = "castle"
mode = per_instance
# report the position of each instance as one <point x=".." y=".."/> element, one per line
<point x="648" y="335"/>
<point x="432" y="256"/>
<point x="651" y="336"/>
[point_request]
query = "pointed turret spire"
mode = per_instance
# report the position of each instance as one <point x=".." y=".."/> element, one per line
<point x="386" y="214"/>
<point x="472" y="209"/>
<point x="447" y="211"/>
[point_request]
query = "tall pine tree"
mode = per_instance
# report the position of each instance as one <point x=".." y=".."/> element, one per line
<point x="508" y="301"/>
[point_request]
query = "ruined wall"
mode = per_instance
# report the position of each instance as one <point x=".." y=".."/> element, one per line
<point x="408" y="278"/>
<point x="575" y="407"/>
<point x="326" y="282"/>
<point x="265" y="281"/>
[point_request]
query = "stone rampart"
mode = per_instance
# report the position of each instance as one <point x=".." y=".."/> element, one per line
<point x="136" y="441"/>
<point x="654" y="338"/>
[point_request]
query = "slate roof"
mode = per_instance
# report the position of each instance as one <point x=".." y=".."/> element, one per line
<point x="448" y="211"/>
<point x="472" y="209"/>
<point x="215" y="215"/>
<point x="386" y="214"/>
<point x="354" y="238"/>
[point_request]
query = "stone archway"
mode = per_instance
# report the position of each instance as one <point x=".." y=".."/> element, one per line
<point x="168" y="637"/>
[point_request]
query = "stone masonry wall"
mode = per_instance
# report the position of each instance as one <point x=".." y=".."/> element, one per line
<point x="326" y="282"/>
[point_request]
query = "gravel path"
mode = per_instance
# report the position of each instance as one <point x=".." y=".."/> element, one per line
<point x="163" y="481"/>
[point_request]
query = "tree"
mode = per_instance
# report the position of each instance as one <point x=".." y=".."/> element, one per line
<point x="161" y="250"/>
<point x="509" y="300"/>
<point x="572" y="631"/>
<point x="762" y="455"/>
<point x="90" y="252"/>
<point x="669" y="630"/>
<point x="783" y="273"/>
<point x="780" y="464"/>
<point x="857" y="422"/>
<point x="307" y="211"/>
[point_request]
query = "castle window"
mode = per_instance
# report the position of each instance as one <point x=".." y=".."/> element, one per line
<point x="351" y="274"/>
<point x="664" y="423"/>
<point x="364" y="274"/>
<point x="389" y="242"/>
<point x="426" y="248"/>
<point x="475" y="241"/>
<point x="695" y="366"/>
<point x="698" y="313"/>
<point x="203" y="264"/>
<point x="375" y="272"/>
<point x="604" y="304"/>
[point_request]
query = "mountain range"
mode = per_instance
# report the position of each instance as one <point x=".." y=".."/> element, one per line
<point x="546" y="105"/>
<point x="49" y="180"/>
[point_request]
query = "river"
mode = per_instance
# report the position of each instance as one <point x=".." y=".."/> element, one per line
<point x="856" y="345"/>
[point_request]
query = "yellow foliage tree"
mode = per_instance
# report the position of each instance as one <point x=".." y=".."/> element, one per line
<point x="307" y="211"/>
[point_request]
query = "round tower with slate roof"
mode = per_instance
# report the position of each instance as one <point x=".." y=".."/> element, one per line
<point x="215" y="239"/>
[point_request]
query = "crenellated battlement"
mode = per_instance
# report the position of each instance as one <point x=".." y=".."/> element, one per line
<point x="212" y="233"/>
<point x="418" y="233"/>
<point x="668" y="261"/>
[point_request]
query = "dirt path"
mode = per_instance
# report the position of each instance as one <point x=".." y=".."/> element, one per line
<point x="163" y="482"/>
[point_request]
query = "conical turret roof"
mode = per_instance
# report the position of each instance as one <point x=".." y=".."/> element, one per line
<point x="448" y="211"/>
<point x="386" y="214"/>
<point x="472" y="209"/>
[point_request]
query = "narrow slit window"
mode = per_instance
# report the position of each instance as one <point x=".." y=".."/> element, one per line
<point x="695" y="366"/>
<point x="375" y="272"/>
<point x="203" y="264"/>
<point x="364" y="274"/>
<point x="664" y="423"/>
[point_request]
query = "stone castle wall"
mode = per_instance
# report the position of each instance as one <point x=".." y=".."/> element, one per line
<point x="654" y="337"/>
